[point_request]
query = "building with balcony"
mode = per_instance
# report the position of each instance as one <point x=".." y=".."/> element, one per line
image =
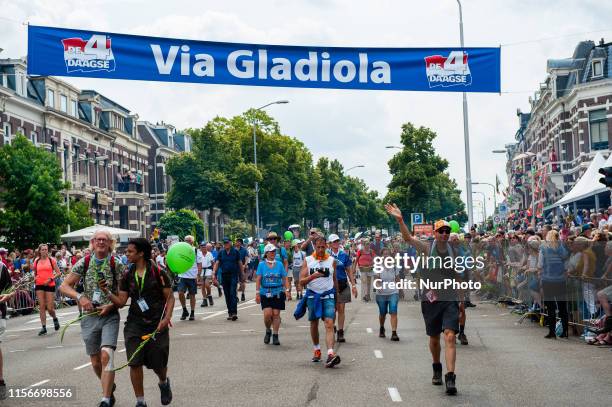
<point x="95" y="140"/>
<point x="568" y="123"/>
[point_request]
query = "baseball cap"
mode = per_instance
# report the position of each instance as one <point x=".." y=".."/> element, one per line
<point x="3" y="250"/>
<point x="272" y="235"/>
<point x="584" y="228"/>
<point x="441" y="224"/>
<point x="226" y="239"/>
<point x="333" y="237"/>
<point x="269" y="248"/>
<point x="202" y="243"/>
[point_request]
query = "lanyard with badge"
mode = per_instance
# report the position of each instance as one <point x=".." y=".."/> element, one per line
<point x="140" y="286"/>
<point x="99" y="275"/>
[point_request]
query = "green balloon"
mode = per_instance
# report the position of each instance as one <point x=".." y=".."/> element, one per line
<point x="455" y="228"/>
<point x="180" y="257"/>
<point x="288" y="235"/>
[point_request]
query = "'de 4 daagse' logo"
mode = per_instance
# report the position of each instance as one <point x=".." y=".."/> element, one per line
<point x="90" y="55"/>
<point x="448" y="71"/>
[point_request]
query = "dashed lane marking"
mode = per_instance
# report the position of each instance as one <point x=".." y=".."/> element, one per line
<point x="39" y="383"/>
<point x="378" y="354"/>
<point x="122" y="350"/>
<point x="369" y="330"/>
<point x="18" y="350"/>
<point x="55" y="347"/>
<point x="394" y="394"/>
<point x="82" y="366"/>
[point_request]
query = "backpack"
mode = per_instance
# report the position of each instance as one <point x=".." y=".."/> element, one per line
<point x="51" y="259"/>
<point x="156" y="273"/>
<point x="112" y="268"/>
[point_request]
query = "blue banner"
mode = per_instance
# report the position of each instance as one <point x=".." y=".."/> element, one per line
<point x="68" y="52"/>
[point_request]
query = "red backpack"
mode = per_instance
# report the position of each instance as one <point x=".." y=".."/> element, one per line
<point x="112" y="267"/>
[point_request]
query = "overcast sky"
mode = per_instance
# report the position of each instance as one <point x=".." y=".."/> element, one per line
<point x="352" y="126"/>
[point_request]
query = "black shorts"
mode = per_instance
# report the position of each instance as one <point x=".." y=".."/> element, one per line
<point x="439" y="316"/>
<point x="276" y="302"/>
<point x="45" y="288"/>
<point x="188" y="285"/>
<point x="155" y="353"/>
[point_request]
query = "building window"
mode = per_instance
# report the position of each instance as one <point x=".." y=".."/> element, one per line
<point x="123" y="217"/>
<point x="34" y="138"/>
<point x="597" y="68"/>
<point x="73" y="107"/>
<point x="598" y="124"/>
<point x="63" y="103"/>
<point x="7" y="133"/>
<point x="50" y="98"/>
<point x="20" y="131"/>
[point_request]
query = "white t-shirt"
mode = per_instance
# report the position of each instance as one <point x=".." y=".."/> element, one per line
<point x="207" y="263"/>
<point x="160" y="261"/>
<point x="321" y="284"/>
<point x="387" y="275"/>
<point x="298" y="258"/>
<point x="193" y="271"/>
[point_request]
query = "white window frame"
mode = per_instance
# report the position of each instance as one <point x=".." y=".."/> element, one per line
<point x="18" y="84"/>
<point x="34" y="138"/>
<point x="599" y="122"/>
<point x="74" y="108"/>
<point x="21" y="130"/>
<point x="597" y="62"/>
<point x="51" y="98"/>
<point x="64" y="103"/>
<point x="7" y="133"/>
<point x="4" y="81"/>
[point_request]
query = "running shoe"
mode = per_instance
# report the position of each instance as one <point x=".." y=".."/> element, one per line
<point x="166" y="392"/>
<point x="317" y="356"/>
<point x="332" y="360"/>
<point x="234" y="317"/>
<point x="185" y="314"/>
<point x="381" y="333"/>
<point x="42" y="332"/>
<point x="463" y="339"/>
<point x="220" y="292"/>
<point x="394" y="336"/>
<point x="192" y="316"/>
<point x="242" y="297"/>
<point x="141" y="404"/>
<point x="275" y="340"/>
<point x="436" y="380"/>
<point x="2" y="390"/>
<point x="449" y="379"/>
<point x="341" y="336"/>
<point x="56" y="324"/>
<point x="104" y="404"/>
<point x="210" y="300"/>
<point x="204" y="303"/>
<point x="267" y="336"/>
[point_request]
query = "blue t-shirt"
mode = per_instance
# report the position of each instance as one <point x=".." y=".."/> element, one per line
<point x="243" y="253"/>
<point x="271" y="278"/>
<point x="214" y="254"/>
<point x="281" y="255"/>
<point x="343" y="261"/>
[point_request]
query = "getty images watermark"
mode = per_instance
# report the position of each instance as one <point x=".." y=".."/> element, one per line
<point x="428" y="264"/>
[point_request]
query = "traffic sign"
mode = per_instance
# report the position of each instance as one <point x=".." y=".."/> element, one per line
<point x="503" y="210"/>
<point x="497" y="219"/>
<point x="416" y="218"/>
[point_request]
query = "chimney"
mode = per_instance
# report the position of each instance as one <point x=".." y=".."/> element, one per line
<point x="601" y="42"/>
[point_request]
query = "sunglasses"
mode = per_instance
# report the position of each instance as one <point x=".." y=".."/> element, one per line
<point x="444" y="231"/>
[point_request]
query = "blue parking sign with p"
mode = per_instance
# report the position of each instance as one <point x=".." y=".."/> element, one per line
<point x="416" y="218"/>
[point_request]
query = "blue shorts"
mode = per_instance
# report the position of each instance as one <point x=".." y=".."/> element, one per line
<point x="329" y="308"/>
<point x="387" y="304"/>
<point x="188" y="285"/>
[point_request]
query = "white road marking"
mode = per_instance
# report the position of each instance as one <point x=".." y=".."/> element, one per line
<point x="247" y="330"/>
<point x="55" y="347"/>
<point x="355" y="323"/>
<point x="121" y="351"/>
<point x="187" y="334"/>
<point x="369" y="330"/>
<point x="378" y="354"/>
<point x="82" y="366"/>
<point x="225" y="311"/>
<point x="217" y="332"/>
<point x="120" y="340"/>
<point x="18" y="350"/>
<point x="256" y="315"/>
<point x="303" y="326"/>
<point x="484" y="315"/>
<point x="63" y="314"/>
<point x="394" y="394"/>
<point x="12" y="336"/>
<point x="39" y="383"/>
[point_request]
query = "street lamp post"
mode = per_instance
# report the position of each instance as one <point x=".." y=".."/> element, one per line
<point x="466" y="134"/>
<point x="357" y="166"/>
<point x="257" y="221"/>
<point x="97" y="159"/>
<point x="484" y="204"/>
<point x="494" y="198"/>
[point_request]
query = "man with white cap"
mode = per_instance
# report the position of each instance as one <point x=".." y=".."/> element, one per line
<point x="344" y="273"/>
<point x="440" y="307"/>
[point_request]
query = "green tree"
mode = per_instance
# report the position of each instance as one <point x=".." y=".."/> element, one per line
<point x="237" y="228"/>
<point x="181" y="223"/>
<point x="419" y="181"/>
<point x="79" y="216"/>
<point x="30" y="189"/>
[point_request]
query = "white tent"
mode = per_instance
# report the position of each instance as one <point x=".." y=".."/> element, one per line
<point x="86" y="233"/>
<point x="588" y="185"/>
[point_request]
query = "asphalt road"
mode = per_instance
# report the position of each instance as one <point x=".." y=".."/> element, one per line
<point x="224" y="363"/>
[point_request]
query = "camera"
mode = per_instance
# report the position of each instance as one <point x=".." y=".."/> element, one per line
<point x="324" y="271"/>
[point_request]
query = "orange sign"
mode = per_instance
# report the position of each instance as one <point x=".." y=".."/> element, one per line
<point x="422" y="230"/>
